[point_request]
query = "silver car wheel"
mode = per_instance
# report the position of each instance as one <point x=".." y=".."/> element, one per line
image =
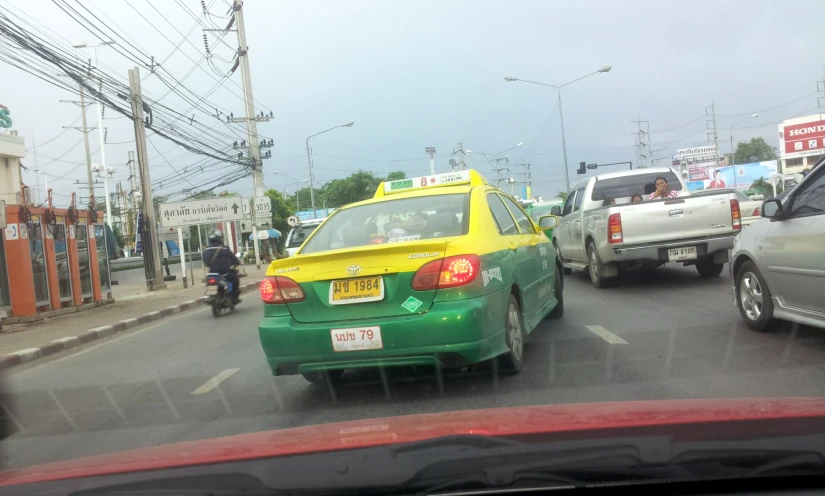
<point x="750" y="295"/>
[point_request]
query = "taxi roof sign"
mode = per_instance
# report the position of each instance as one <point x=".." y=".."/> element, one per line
<point x="470" y="177"/>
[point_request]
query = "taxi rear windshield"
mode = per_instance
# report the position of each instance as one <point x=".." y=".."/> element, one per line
<point x="393" y="221"/>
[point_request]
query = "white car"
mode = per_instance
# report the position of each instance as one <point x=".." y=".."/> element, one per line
<point x="778" y="263"/>
<point x="298" y="234"/>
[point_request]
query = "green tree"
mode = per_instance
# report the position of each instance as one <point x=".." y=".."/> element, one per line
<point x="763" y="187"/>
<point x="563" y="195"/>
<point x="755" y="150"/>
<point x="203" y="195"/>
<point x="280" y="211"/>
<point x="395" y="176"/>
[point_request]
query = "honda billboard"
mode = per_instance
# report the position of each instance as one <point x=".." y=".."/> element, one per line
<point x="804" y="138"/>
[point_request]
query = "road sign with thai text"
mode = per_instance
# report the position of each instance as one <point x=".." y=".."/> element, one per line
<point x="210" y="211"/>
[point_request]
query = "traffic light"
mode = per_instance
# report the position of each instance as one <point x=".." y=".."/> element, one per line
<point x="582" y="168"/>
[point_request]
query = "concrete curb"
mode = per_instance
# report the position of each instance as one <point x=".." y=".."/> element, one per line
<point x="30" y="354"/>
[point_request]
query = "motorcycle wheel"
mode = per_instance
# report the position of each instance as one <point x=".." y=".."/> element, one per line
<point x="216" y="308"/>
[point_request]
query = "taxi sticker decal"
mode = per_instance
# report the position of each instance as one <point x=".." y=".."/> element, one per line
<point x="544" y="264"/>
<point x="404" y="238"/>
<point x="490" y="274"/>
<point x="542" y="251"/>
<point x="544" y="290"/>
<point x="291" y="269"/>
<point x="412" y="304"/>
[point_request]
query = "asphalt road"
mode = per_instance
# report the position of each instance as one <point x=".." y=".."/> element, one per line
<point x="666" y="335"/>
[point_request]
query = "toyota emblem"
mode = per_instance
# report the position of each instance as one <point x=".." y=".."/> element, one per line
<point x="354" y="270"/>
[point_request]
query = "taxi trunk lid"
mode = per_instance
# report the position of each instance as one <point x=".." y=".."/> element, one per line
<point x="335" y="283"/>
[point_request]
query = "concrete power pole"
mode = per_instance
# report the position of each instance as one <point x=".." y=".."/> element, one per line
<point x="154" y="278"/>
<point x="85" y="130"/>
<point x="461" y="156"/>
<point x="251" y="121"/>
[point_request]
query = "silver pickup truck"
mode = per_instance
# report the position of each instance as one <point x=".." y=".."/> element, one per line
<point x="608" y="238"/>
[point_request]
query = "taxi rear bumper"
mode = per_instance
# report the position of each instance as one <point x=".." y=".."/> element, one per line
<point x="450" y="334"/>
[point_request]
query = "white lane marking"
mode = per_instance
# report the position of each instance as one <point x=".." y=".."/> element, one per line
<point x="214" y="382"/>
<point x="605" y="334"/>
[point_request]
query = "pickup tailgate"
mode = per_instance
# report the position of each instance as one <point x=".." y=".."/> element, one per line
<point x="678" y="218"/>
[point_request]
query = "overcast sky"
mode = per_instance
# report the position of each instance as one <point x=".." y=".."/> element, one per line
<point x="430" y="73"/>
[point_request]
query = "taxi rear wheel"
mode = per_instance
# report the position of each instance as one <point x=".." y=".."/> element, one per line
<point x="322" y="378"/>
<point x="558" y="292"/>
<point x="513" y="360"/>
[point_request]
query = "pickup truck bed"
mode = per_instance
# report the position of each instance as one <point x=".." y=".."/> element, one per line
<point x="609" y="239"/>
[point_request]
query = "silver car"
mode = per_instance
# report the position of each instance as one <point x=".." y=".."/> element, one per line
<point x="778" y="263"/>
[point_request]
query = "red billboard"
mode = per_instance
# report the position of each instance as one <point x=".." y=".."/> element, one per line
<point x="802" y="139"/>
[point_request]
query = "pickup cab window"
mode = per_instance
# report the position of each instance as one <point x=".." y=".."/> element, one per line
<point x="624" y="187"/>
<point x="579" y="198"/>
<point x="568" y="205"/>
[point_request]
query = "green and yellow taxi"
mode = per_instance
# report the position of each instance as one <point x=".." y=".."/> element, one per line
<point x="443" y="270"/>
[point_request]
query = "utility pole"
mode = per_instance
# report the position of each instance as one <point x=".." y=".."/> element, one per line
<point x="529" y="175"/>
<point x="716" y="140"/>
<point x="151" y="257"/>
<point x="251" y="120"/>
<point x="642" y="142"/>
<point x="36" y="172"/>
<point x="102" y="139"/>
<point x="498" y="170"/>
<point x="85" y="130"/>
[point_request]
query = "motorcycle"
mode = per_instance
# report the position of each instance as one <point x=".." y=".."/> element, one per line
<point x="218" y="294"/>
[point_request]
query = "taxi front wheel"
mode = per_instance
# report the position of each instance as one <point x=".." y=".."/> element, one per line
<point x="513" y="361"/>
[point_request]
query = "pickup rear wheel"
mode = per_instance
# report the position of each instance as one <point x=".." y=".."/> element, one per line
<point x="707" y="268"/>
<point x="596" y="268"/>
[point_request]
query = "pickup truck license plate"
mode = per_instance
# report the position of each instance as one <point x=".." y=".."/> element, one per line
<point x="357" y="339"/>
<point x="359" y="290"/>
<point x="683" y="253"/>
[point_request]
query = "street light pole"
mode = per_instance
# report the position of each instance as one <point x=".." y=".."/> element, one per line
<point x="732" y="151"/>
<point x="309" y="164"/>
<point x="563" y="144"/>
<point x="558" y="88"/>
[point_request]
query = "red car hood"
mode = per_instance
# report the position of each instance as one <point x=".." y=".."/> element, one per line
<point x="402" y="429"/>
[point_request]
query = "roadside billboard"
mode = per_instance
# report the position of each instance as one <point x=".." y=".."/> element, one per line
<point x="746" y="174"/>
<point x="698" y="162"/>
<point x="802" y="136"/>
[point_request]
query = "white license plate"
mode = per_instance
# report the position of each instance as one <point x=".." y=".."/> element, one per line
<point x="679" y="254"/>
<point x="210" y="290"/>
<point x="357" y="339"/>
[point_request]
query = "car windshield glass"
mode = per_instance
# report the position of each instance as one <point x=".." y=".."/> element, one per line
<point x="393" y="221"/>
<point x="299" y="234"/>
<point x="624" y="187"/>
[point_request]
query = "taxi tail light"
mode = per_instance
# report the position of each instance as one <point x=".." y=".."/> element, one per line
<point x="614" y="228"/>
<point x="279" y="289"/>
<point x="735" y="214"/>
<point x="449" y="272"/>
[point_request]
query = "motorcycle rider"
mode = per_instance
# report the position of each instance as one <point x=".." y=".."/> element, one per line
<point x="220" y="260"/>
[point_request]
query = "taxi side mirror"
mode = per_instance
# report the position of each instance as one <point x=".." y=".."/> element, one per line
<point x="555" y="211"/>
<point x="548" y="222"/>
